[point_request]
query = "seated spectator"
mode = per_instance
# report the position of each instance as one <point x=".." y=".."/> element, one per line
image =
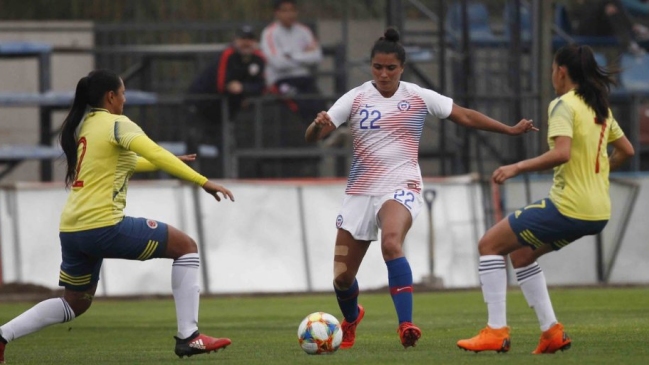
<point x="238" y="73"/>
<point x="607" y="18"/>
<point x="291" y="50"/>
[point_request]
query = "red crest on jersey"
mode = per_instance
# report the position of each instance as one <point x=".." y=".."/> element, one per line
<point x="152" y="224"/>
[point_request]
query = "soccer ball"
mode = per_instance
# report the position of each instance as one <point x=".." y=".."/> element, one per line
<point x="319" y="333"/>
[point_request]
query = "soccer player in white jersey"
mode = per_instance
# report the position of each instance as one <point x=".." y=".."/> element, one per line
<point x="386" y="117"/>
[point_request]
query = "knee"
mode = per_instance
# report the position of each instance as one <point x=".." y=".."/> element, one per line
<point x="485" y="247"/>
<point x="391" y="246"/>
<point x="181" y="247"/>
<point x="190" y="246"/>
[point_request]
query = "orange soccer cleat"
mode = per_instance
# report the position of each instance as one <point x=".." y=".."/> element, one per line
<point x="349" y="329"/>
<point x="553" y="340"/>
<point x="489" y="339"/>
<point x="199" y="344"/>
<point x="409" y="334"/>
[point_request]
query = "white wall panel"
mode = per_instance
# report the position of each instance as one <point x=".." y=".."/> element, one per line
<point x="256" y="244"/>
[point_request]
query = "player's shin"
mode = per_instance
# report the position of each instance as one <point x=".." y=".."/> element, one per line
<point x="493" y="279"/>
<point x="400" y="282"/>
<point x="43" y="314"/>
<point x="348" y="301"/>
<point x="532" y="282"/>
<point x="186" y="291"/>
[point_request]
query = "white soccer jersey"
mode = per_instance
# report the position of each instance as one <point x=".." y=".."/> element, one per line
<point x="386" y="133"/>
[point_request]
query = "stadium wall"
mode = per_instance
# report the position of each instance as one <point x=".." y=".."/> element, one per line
<point x="278" y="237"/>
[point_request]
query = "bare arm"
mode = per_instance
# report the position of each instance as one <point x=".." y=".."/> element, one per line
<point x="310" y="56"/>
<point x="474" y="119"/>
<point x="622" y="151"/>
<point x="559" y="155"/>
<point x="319" y="128"/>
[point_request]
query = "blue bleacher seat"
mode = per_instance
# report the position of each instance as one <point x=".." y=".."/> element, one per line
<point x="563" y="24"/>
<point x="479" y="29"/>
<point x="634" y="76"/>
<point x="24" y="48"/>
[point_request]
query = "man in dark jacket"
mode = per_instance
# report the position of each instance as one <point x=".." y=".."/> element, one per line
<point x="236" y="73"/>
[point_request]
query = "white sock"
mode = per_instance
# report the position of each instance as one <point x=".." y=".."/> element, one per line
<point x="493" y="278"/>
<point x="184" y="284"/>
<point x="43" y="314"/>
<point x="532" y="282"/>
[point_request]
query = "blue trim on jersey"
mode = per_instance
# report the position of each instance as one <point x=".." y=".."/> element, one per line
<point x="541" y="223"/>
<point x="116" y="132"/>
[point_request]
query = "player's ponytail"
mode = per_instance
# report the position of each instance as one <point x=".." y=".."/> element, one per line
<point x="89" y="93"/>
<point x="594" y="81"/>
<point x="389" y="43"/>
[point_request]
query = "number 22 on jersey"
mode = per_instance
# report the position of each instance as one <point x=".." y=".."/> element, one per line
<point x="370" y="117"/>
<point x="404" y="197"/>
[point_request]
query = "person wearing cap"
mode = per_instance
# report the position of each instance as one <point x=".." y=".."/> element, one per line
<point x="237" y="73"/>
<point x="291" y="50"/>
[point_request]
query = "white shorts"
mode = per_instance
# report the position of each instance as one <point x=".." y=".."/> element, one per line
<point x="359" y="213"/>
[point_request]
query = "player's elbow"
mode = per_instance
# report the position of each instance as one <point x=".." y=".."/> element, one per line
<point x="623" y="149"/>
<point x="628" y="151"/>
<point x="562" y="156"/>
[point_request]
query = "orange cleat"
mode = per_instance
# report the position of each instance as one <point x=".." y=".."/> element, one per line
<point x="409" y="334"/>
<point x="489" y="339"/>
<point x="553" y="340"/>
<point x="349" y="329"/>
<point x="199" y="344"/>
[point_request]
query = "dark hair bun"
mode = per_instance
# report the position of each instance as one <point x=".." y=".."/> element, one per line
<point x="391" y="35"/>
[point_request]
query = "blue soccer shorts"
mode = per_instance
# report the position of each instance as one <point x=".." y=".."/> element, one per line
<point x="131" y="239"/>
<point x="541" y="223"/>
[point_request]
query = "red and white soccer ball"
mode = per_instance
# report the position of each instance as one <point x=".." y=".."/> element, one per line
<point x="319" y="333"/>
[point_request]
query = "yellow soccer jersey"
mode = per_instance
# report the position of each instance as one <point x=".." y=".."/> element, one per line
<point x="106" y="159"/>
<point x="581" y="185"/>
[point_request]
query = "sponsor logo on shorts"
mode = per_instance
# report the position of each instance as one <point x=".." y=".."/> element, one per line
<point x="151" y="223"/>
<point x="339" y="221"/>
<point x="403" y="105"/>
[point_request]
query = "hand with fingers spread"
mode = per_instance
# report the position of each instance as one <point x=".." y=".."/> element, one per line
<point x="522" y="127"/>
<point x="214" y="190"/>
<point x="505" y="172"/>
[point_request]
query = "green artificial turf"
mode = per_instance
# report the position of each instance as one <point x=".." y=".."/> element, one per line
<point x="607" y="326"/>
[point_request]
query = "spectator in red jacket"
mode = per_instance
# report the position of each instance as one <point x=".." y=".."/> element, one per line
<point x="236" y="73"/>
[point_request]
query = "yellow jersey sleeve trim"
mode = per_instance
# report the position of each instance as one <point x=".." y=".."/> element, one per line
<point x="143" y="165"/>
<point x="158" y="156"/>
<point x="125" y="131"/>
<point x="616" y="132"/>
<point x="561" y="120"/>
